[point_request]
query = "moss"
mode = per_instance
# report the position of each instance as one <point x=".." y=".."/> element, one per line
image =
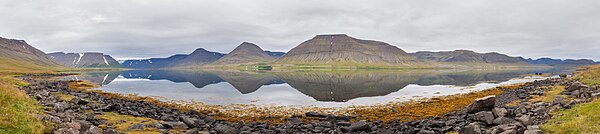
<point x="17" y="110"/>
<point x="64" y="97"/>
<point x="589" y="75"/>
<point x="583" y="118"/>
<point x="123" y="122"/>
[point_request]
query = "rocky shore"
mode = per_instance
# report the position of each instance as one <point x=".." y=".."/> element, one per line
<point x="511" y="112"/>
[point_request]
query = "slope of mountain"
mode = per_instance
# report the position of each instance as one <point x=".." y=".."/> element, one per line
<point x="245" y="53"/>
<point x="467" y="56"/>
<point x="199" y="57"/>
<point x="153" y="62"/>
<point x="341" y="48"/>
<point x="549" y="61"/>
<point x="275" y="54"/>
<point x="84" y="60"/>
<point x="18" y="55"/>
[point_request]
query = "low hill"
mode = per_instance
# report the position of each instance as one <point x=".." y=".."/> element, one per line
<point x="85" y="60"/>
<point x="466" y="56"/>
<point x="153" y="62"/>
<point x="17" y="55"/>
<point x="343" y="49"/>
<point x="550" y="61"/>
<point x="275" y="54"/>
<point x="245" y="53"/>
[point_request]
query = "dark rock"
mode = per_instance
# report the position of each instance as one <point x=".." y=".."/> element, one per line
<point x="560" y="100"/>
<point x="500" y="112"/>
<point x="577" y="86"/>
<point x="190" y="122"/>
<point x="344" y="123"/>
<point x="156" y="125"/>
<point x="66" y="131"/>
<point x="175" y="125"/>
<point x="192" y="131"/>
<point x="484" y="116"/>
<point x="224" y="129"/>
<point x="359" y="126"/>
<point x="472" y="128"/>
<point x="526" y="120"/>
<point x="503" y="120"/>
<point x="137" y="127"/>
<point x="315" y="114"/>
<point x="110" y="131"/>
<point x="482" y="104"/>
<point x="534" y="131"/>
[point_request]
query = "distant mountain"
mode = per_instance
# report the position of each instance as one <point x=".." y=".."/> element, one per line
<point x="153" y="62"/>
<point x="468" y="56"/>
<point x="549" y="61"/>
<point x="245" y="53"/>
<point x="17" y="54"/>
<point x="341" y="48"/>
<point x="199" y="57"/>
<point x="84" y="60"/>
<point x="275" y="54"/>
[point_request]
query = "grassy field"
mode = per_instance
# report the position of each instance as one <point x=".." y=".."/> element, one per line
<point x="582" y="118"/>
<point x="17" y="109"/>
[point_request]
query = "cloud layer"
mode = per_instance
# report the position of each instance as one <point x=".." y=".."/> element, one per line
<point x="159" y="28"/>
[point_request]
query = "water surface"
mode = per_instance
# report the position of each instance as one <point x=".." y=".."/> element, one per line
<point x="303" y="88"/>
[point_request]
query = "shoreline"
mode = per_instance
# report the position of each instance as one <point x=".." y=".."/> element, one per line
<point x="310" y="122"/>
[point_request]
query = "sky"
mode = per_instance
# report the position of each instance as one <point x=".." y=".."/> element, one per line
<point x="160" y="28"/>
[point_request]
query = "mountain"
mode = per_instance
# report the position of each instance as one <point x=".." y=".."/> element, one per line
<point x="550" y="61"/>
<point x="199" y="57"/>
<point x="153" y="62"/>
<point x="18" y="55"/>
<point x="245" y="53"/>
<point x="84" y="60"/>
<point x="275" y="54"/>
<point x="467" y="56"/>
<point x="341" y="48"/>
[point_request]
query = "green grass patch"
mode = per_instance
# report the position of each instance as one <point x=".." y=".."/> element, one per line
<point x="549" y="95"/>
<point x="123" y="122"/>
<point x="581" y="119"/>
<point x="17" y="109"/>
<point x="589" y="75"/>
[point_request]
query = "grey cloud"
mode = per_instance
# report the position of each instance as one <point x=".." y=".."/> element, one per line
<point x="159" y="28"/>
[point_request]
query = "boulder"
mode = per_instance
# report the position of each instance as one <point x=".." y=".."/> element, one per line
<point x="472" y="128"/>
<point x="190" y="122"/>
<point x="66" y="131"/>
<point x="526" y="120"/>
<point x="500" y="112"/>
<point x="224" y="129"/>
<point x="358" y="126"/>
<point x="93" y="130"/>
<point x="533" y="131"/>
<point x="577" y="86"/>
<point x="315" y="114"/>
<point x="482" y="104"/>
<point x="175" y="125"/>
<point x="484" y="116"/>
<point x="503" y="120"/>
<point x="137" y="127"/>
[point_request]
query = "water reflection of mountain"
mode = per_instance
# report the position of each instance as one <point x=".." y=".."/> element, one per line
<point x="248" y="82"/>
<point x="343" y="86"/>
<point x="102" y="78"/>
<point x="197" y="78"/>
<point x="338" y="86"/>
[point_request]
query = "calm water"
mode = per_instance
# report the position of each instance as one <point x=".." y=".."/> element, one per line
<point x="303" y="88"/>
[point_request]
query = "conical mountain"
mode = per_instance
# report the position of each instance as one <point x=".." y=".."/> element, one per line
<point x="245" y="53"/>
<point x="199" y="57"/>
<point x="341" y="48"/>
<point x="17" y="54"/>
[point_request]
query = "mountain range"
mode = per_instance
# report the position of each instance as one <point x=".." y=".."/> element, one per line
<point x="18" y="55"/>
<point x="332" y="49"/>
<point x="85" y="60"/>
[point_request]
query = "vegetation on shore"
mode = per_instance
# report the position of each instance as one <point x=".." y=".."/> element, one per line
<point x="582" y="118"/>
<point x="18" y="110"/>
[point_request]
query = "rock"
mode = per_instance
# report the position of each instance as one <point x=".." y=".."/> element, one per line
<point x="426" y="132"/>
<point x="482" y="104"/>
<point x="111" y="131"/>
<point x="224" y="129"/>
<point x="156" y="125"/>
<point x="484" y="116"/>
<point x="93" y="130"/>
<point x="66" y="131"/>
<point x="560" y="100"/>
<point x="595" y="95"/>
<point x="358" y="126"/>
<point x="74" y="125"/>
<point x="472" y="128"/>
<point x="540" y="110"/>
<point x="137" y="127"/>
<point x="175" y="125"/>
<point x="503" y="120"/>
<point x="526" y="120"/>
<point x="294" y="121"/>
<point x="534" y="131"/>
<point x="344" y="123"/>
<point x="577" y="86"/>
<point x="315" y="114"/>
<point x="192" y="131"/>
<point x="510" y="131"/>
<point x="500" y="112"/>
<point x="61" y="106"/>
<point x="190" y="122"/>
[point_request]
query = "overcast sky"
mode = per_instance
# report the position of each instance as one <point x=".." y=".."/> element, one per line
<point x="159" y="28"/>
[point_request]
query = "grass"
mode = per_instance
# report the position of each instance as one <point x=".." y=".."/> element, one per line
<point x="549" y="95"/>
<point x="583" y="118"/>
<point x="123" y="122"/>
<point x="17" y="109"/>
